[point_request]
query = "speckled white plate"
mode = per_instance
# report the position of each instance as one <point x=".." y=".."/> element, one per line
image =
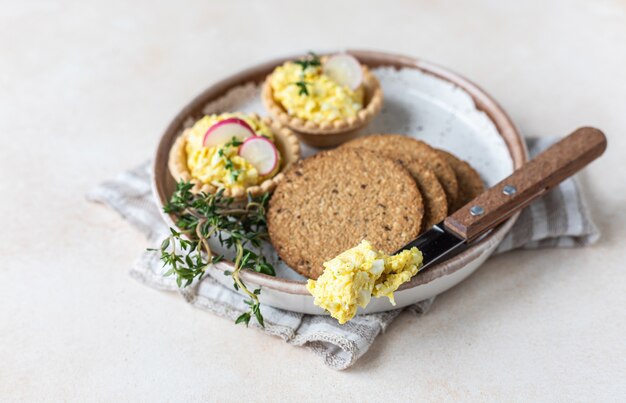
<point x="421" y="100"/>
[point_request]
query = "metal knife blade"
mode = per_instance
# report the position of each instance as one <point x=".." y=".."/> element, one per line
<point x="437" y="244"/>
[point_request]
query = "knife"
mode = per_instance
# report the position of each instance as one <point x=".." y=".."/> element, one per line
<point x="460" y="230"/>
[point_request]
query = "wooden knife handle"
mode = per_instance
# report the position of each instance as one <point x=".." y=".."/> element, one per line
<point x="547" y="170"/>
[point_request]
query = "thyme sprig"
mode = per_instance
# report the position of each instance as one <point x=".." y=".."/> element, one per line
<point x="303" y="87"/>
<point x="238" y="227"/>
<point x="312" y="60"/>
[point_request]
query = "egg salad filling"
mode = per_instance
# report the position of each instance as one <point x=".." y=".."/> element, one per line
<point x="353" y="277"/>
<point x="306" y="92"/>
<point x="221" y="166"/>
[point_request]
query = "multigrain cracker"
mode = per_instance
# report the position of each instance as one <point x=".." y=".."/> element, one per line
<point x="405" y="149"/>
<point x="433" y="195"/>
<point x="470" y="183"/>
<point x="328" y="203"/>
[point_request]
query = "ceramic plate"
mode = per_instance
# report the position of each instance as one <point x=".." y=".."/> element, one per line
<point x="423" y="101"/>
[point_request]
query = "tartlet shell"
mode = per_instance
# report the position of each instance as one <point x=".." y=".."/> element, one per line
<point x="284" y="139"/>
<point x="328" y="134"/>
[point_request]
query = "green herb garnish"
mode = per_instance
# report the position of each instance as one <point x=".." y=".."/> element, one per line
<point x="312" y="60"/>
<point x="228" y="164"/>
<point x="234" y="173"/>
<point x="240" y="228"/>
<point x="303" y="87"/>
<point x="233" y="143"/>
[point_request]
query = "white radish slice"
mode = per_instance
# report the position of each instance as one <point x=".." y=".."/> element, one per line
<point x="261" y="153"/>
<point x="223" y="131"/>
<point x="344" y="70"/>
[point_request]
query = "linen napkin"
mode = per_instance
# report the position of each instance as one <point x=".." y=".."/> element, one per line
<point x="559" y="219"/>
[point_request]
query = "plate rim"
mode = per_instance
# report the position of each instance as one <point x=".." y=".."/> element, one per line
<point x="257" y="73"/>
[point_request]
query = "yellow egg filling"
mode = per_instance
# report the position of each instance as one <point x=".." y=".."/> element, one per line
<point x="221" y="166"/>
<point x="311" y="95"/>
<point x="353" y="277"/>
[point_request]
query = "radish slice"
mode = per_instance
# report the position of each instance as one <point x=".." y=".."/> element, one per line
<point x="223" y="131"/>
<point x="261" y="153"/>
<point x="344" y="70"/>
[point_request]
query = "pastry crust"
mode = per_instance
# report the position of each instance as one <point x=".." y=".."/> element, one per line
<point x="284" y="139"/>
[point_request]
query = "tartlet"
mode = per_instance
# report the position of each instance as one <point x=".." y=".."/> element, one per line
<point x="285" y="141"/>
<point x="328" y="133"/>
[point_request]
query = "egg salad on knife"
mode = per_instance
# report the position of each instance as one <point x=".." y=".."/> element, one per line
<point x="353" y="277"/>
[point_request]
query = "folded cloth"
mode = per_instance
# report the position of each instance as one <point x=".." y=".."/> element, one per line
<point x="558" y="219"/>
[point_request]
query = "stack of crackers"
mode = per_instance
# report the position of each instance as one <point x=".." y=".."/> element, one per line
<point x="386" y="188"/>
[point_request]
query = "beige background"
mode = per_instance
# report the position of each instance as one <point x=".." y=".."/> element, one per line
<point x="86" y="88"/>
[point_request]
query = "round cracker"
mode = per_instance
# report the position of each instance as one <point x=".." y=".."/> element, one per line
<point x="470" y="183"/>
<point x="328" y="203"/>
<point x="405" y="149"/>
<point x="435" y="200"/>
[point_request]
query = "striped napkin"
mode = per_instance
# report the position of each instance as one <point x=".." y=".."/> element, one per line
<point x="559" y="219"/>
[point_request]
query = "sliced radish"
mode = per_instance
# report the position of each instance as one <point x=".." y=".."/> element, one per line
<point x="344" y="70"/>
<point x="223" y="131"/>
<point x="261" y="153"/>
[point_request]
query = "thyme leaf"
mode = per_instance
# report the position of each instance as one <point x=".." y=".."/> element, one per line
<point x="311" y="60"/>
<point x="228" y="164"/>
<point x="303" y="87"/>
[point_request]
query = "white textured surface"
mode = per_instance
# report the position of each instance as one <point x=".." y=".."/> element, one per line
<point x="88" y="86"/>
